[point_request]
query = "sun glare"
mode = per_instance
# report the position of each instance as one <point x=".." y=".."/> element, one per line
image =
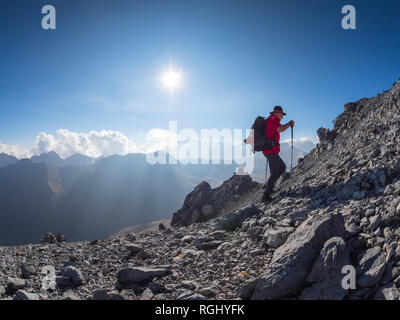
<point x="172" y="79"/>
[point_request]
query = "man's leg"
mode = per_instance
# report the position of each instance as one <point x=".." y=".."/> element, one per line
<point x="282" y="165"/>
<point x="275" y="168"/>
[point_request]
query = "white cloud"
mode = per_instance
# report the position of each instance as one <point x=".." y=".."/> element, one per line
<point x="15" y="150"/>
<point x="66" y="143"/>
<point x="93" y="144"/>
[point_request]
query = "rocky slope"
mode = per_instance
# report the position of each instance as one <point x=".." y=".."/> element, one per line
<point x="339" y="208"/>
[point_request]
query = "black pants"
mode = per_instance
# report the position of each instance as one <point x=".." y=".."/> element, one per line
<point x="277" y="167"/>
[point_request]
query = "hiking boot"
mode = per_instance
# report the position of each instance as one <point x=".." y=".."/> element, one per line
<point x="266" y="198"/>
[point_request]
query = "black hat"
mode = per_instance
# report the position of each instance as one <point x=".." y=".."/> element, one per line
<point x="278" y="109"/>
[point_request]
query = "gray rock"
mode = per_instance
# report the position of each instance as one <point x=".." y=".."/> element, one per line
<point x="69" y="295"/>
<point x="156" y="287"/>
<point x="190" y="295"/>
<point x="27" y="270"/>
<point x="75" y="276"/>
<point x="234" y="220"/>
<point x="387" y="292"/>
<point x="246" y="290"/>
<point x="138" y="274"/>
<point x="191" y="211"/>
<point x="326" y="275"/>
<point x="352" y="229"/>
<point x="210" y="245"/>
<point x="24" y="295"/>
<point x="298" y="216"/>
<point x="293" y="261"/>
<point x="63" y="281"/>
<point x="106" y="294"/>
<point x="147" y="295"/>
<point x="161" y="227"/>
<point x="209" y="291"/>
<point x="134" y="248"/>
<point x="274" y="238"/>
<point x="369" y="212"/>
<point x="131" y="236"/>
<point x="255" y="232"/>
<point x="60" y="238"/>
<point x="145" y="254"/>
<point x="188" y="253"/>
<point x="49" y="238"/>
<point x="375" y="221"/>
<point x="371" y="266"/>
<point x="390" y="273"/>
<point x="200" y="241"/>
<point x="14" y="284"/>
<point x="188" y="239"/>
<point x="207" y="211"/>
<point x="218" y="235"/>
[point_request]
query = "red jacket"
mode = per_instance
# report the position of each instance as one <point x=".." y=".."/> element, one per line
<point x="271" y="126"/>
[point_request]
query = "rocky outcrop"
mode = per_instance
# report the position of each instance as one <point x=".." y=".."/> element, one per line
<point x="235" y="219"/>
<point x="326" y="274"/>
<point x="203" y="203"/>
<point x="292" y="262"/>
<point x="197" y="207"/>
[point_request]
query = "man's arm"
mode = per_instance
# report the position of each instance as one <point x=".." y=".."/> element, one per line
<point x="284" y="127"/>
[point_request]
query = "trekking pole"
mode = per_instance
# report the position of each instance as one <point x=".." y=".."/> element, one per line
<point x="291" y="157"/>
<point x="266" y="175"/>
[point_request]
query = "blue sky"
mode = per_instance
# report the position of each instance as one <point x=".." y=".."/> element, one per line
<point x="101" y="68"/>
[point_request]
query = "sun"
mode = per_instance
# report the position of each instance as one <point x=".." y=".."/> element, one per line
<point x="172" y="79"/>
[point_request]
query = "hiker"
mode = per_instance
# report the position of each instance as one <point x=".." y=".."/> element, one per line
<point x="277" y="167"/>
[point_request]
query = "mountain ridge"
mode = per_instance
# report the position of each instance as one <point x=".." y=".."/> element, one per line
<point x="338" y="208"/>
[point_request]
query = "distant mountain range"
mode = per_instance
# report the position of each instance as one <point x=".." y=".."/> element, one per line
<point x="86" y="198"/>
<point x="5" y="160"/>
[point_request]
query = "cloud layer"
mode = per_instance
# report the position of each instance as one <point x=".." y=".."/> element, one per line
<point x="15" y="150"/>
<point x="105" y="143"/>
<point x="66" y="143"/>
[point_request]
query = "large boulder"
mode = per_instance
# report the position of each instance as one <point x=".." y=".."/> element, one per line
<point x="24" y="295"/>
<point x="139" y="274"/>
<point x="197" y="207"/>
<point x="387" y="292"/>
<point x="326" y="275"/>
<point x="326" y="135"/>
<point x="371" y="266"/>
<point x="49" y="238"/>
<point x="234" y="220"/>
<point x="292" y="262"/>
<point x="74" y="275"/>
<point x="274" y="238"/>
<point x="204" y="203"/>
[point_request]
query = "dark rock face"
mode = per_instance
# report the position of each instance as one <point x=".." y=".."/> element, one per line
<point x="191" y="211"/>
<point x="326" y="135"/>
<point x="138" y="274"/>
<point x="371" y="266"/>
<point x="235" y="219"/>
<point x="293" y="261"/>
<point x="49" y="238"/>
<point x="203" y="203"/>
<point x="326" y="274"/>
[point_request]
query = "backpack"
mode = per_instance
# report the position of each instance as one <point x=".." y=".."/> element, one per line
<point x="261" y="143"/>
